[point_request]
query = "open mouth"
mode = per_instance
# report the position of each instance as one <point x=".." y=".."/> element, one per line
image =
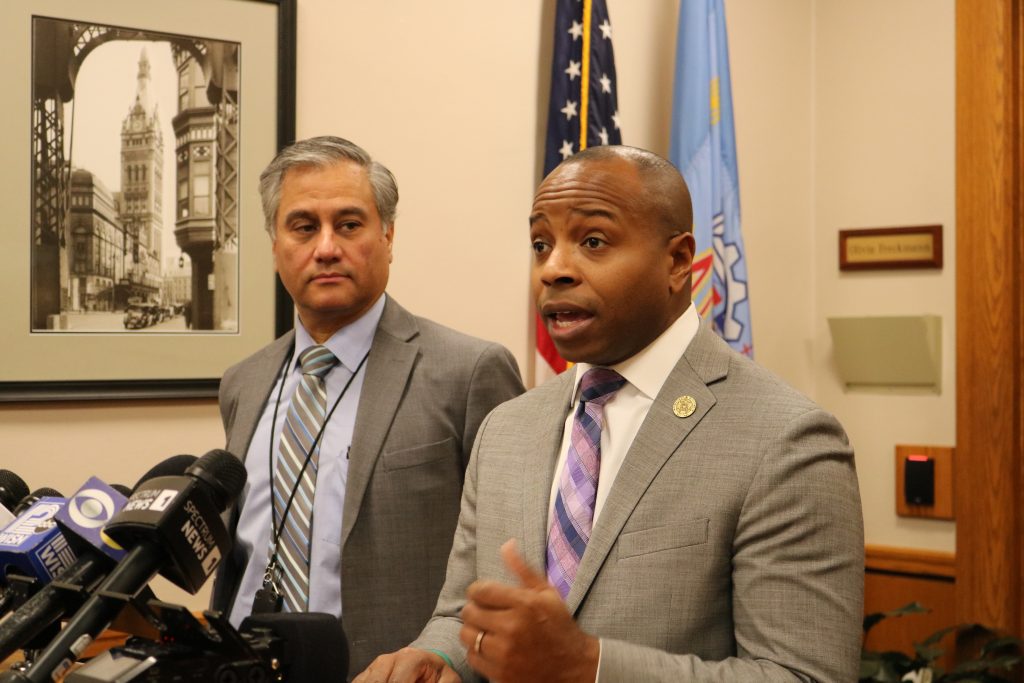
<point x="563" y="322"/>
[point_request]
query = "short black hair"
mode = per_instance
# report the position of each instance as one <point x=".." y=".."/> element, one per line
<point x="667" y="195"/>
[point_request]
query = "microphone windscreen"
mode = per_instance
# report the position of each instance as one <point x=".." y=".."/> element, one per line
<point x="12" y="489"/>
<point x="27" y="501"/>
<point x="223" y="472"/>
<point x="46" y="491"/>
<point x="315" y="648"/>
<point x="173" y="466"/>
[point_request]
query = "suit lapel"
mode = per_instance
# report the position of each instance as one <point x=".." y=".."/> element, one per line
<point x="388" y="367"/>
<point x="251" y="404"/>
<point x="540" y="450"/>
<point x="660" y="436"/>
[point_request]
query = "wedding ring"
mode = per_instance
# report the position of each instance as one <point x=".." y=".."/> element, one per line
<point x="479" y="640"/>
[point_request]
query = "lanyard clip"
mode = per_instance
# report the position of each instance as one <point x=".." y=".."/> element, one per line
<point x="268" y="598"/>
<point x="271" y="577"/>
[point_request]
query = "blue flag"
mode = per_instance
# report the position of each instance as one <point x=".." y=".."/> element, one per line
<point x="584" y="97"/>
<point x="703" y="148"/>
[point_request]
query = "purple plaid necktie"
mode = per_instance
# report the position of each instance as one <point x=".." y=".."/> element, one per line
<point x="573" y="519"/>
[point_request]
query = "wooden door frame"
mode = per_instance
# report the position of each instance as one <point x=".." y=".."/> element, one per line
<point x="990" y="323"/>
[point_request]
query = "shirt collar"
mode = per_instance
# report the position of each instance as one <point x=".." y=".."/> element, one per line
<point x="349" y="344"/>
<point x="648" y="369"/>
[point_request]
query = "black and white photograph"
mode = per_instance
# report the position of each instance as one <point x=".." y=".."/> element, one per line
<point x="135" y="146"/>
<point x="135" y="262"/>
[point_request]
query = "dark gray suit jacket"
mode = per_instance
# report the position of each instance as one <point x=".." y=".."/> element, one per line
<point x="730" y="547"/>
<point x="427" y="388"/>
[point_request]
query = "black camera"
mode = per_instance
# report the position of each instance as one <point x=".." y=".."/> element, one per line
<point x="289" y="648"/>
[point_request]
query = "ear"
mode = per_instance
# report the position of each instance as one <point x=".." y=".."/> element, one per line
<point x="681" y="248"/>
<point x="389" y="235"/>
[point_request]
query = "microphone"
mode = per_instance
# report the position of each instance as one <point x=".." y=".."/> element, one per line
<point x="172" y="466"/>
<point x="173" y="526"/>
<point x="32" y="545"/>
<point x="302" y="647"/>
<point x="81" y="521"/>
<point x="12" y="489"/>
<point x="32" y="549"/>
<point x="26" y="502"/>
<point x="315" y="648"/>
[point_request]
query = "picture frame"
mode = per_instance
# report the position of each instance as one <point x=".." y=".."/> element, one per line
<point x="93" y="305"/>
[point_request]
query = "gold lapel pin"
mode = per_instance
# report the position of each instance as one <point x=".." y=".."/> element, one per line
<point x="684" y="406"/>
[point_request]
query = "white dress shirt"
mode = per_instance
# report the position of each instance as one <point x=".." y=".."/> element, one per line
<point x="645" y="373"/>
<point x="350" y="345"/>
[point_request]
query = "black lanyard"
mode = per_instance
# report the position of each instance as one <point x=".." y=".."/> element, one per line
<point x="279" y="527"/>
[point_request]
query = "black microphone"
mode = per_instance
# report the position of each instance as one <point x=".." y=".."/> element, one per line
<point x="81" y="523"/>
<point x="171" y="467"/>
<point x="303" y="647"/>
<point x="32" y="498"/>
<point x="170" y="524"/>
<point x="12" y="489"/>
<point x="34" y="614"/>
<point x="315" y="647"/>
<point x="32" y="549"/>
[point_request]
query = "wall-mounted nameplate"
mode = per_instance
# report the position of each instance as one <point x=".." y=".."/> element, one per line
<point x="919" y="246"/>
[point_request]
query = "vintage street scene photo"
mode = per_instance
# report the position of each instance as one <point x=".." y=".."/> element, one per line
<point x="135" y="139"/>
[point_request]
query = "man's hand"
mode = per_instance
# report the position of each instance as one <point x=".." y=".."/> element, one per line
<point x="408" y="665"/>
<point x="528" y="634"/>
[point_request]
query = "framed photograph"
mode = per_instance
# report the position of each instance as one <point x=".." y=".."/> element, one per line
<point x="135" y="263"/>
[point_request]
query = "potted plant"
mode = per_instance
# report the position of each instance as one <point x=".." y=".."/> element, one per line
<point x="997" y="655"/>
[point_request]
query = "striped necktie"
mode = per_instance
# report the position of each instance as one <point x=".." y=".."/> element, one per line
<point x="295" y="479"/>
<point x="573" y="518"/>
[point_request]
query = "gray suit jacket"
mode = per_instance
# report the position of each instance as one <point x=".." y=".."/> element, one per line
<point x="426" y="390"/>
<point x="731" y="544"/>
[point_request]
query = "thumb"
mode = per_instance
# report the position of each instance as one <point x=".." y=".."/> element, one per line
<point x="515" y="563"/>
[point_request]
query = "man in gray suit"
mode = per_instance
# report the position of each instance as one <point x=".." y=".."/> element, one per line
<point x="355" y="461"/>
<point x="678" y="513"/>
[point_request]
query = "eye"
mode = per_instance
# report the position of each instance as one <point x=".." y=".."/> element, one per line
<point x="539" y="246"/>
<point x="593" y="242"/>
<point x="304" y="227"/>
<point x="349" y="226"/>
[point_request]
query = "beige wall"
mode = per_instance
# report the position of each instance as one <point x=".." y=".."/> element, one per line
<point x="844" y="119"/>
<point x="884" y="156"/>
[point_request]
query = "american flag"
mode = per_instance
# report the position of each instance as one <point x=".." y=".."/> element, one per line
<point x="583" y="110"/>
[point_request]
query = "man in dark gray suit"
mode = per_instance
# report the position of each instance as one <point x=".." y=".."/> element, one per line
<point x="717" y="534"/>
<point x="355" y="427"/>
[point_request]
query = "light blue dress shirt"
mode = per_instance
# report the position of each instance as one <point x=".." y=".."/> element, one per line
<point x="350" y="345"/>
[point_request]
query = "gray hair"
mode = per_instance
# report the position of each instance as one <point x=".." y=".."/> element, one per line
<point x="321" y="152"/>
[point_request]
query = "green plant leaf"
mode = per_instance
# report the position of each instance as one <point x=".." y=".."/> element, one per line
<point x="891" y="671"/>
<point x="940" y="634"/>
<point x="896" y="658"/>
<point x="999" y="643"/>
<point x="971" y="666"/>
<point x="998" y="653"/>
<point x="928" y="654"/>
<point x="1006" y="662"/>
<point x="910" y="608"/>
